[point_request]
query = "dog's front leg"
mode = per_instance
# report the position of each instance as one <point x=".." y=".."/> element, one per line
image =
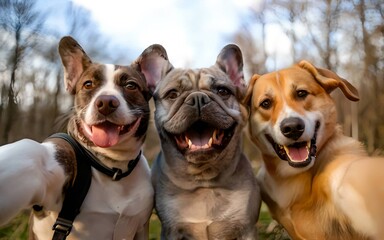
<point x="136" y="226"/>
<point x="185" y="231"/>
<point x="230" y="230"/>
<point x="143" y="233"/>
<point x="29" y="175"/>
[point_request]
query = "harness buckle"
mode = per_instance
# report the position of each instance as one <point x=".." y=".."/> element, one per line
<point x="116" y="175"/>
<point x="63" y="226"/>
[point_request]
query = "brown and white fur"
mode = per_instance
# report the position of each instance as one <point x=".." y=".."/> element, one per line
<point x="317" y="182"/>
<point x="204" y="185"/>
<point x="110" y="119"/>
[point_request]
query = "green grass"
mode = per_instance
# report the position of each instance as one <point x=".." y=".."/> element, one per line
<point x="268" y="231"/>
<point x="154" y="228"/>
<point x="18" y="228"/>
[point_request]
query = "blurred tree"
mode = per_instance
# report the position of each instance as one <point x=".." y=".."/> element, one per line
<point x="324" y="40"/>
<point x="346" y="37"/>
<point x="22" y="22"/>
<point x="31" y="84"/>
<point x="292" y="12"/>
<point x="370" y="41"/>
<point x="251" y="38"/>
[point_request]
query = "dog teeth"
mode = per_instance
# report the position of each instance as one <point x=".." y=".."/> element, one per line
<point x="218" y="135"/>
<point x="207" y="145"/>
<point x="187" y="140"/>
<point x="286" y="149"/>
<point x="192" y="146"/>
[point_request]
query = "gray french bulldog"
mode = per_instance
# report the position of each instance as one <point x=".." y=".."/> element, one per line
<point x="204" y="185"/>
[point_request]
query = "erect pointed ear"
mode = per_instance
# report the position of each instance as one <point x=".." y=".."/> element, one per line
<point x="247" y="99"/>
<point x="230" y="60"/>
<point x="154" y="64"/>
<point x="74" y="60"/>
<point x="330" y="80"/>
<point x="248" y="94"/>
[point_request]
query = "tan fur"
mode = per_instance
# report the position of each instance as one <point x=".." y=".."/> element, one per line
<point x="339" y="195"/>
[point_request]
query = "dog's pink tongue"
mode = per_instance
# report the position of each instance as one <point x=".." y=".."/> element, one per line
<point x="105" y="134"/>
<point x="199" y="139"/>
<point x="298" y="154"/>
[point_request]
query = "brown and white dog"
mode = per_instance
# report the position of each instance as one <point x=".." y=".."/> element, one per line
<point x="317" y="182"/>
<point x="204" y="185"/>
<point x="110" y="119"/>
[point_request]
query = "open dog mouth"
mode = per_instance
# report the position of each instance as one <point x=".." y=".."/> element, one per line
<point x="202" y="136"/>
<point x="107" y="134"/>
<point x="298" y="154"/>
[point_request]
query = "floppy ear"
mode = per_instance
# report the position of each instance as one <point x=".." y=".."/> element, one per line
<point x="74" y="60"/>
<point x="248" y="94"/>
<point x="230" y="60"/>
<point x="330" y="81"/>
<point x="154" y="64"/>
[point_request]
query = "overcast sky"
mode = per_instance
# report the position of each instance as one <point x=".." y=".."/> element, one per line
<point x="192" y="31"/>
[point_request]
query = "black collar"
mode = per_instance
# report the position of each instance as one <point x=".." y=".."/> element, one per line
<point x="115" y="173"/>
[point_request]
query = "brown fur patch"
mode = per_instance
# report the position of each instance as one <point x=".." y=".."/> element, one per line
<point x="66" y="156"/>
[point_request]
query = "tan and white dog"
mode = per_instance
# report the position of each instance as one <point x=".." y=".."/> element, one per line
<point x="317" y="182"/>
<point x="204" y="185"/>
<point x="110" y="119"/>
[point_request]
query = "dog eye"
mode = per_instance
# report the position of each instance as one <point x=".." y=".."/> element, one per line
<point x="131" y="85"/>
<point x="224" y="92"/>
<point x="172" y="94"/>
<point x="301" y="93"/>
<point x="88" y="84"/>
<point x="266" y="104"/>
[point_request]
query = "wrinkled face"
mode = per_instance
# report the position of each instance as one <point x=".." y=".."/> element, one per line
<point x="111" y="104"/>
<point x="198" y="112"/>
<point x="291" y="117"/>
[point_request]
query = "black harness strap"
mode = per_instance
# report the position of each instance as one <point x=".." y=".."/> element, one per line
<point x="75" y="194"/>
<point x="115" y="173"/>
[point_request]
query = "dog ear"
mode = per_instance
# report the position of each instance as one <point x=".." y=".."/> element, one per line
<point x="248" y="94"/>
<point x="330" y="81"/>
<point x="154" y="64"/>
<point x="74" y="60"/>
<point x="230" y="60"/>
<point x="247" y="100"/>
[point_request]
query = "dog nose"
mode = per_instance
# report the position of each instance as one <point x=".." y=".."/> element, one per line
<point x="292" y="127"/>
<point x="106" y="104"/>
<point x="197" y="99"/>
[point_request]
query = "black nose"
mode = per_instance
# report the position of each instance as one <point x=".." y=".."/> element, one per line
<point x="106" y="104"/>
<point x="292" y="127"/>
<point x="197" y="99"/>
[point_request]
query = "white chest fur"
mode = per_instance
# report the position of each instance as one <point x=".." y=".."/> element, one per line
<point x="111" y="208"/>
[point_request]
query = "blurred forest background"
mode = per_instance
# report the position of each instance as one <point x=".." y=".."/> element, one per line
<point x="345" y="36"/>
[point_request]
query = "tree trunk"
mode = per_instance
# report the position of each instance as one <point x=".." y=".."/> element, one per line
<point x="11" y="109"/>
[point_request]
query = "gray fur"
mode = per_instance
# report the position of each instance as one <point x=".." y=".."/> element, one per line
<point x="211" y="194"/>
